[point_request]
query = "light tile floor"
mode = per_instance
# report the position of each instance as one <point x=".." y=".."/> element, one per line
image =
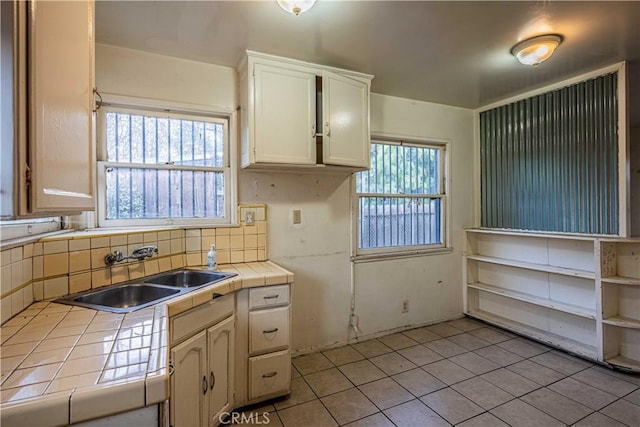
<point x="461" y="372"/>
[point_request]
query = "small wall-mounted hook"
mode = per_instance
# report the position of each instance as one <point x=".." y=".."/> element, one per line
<point x="99" y="101"/>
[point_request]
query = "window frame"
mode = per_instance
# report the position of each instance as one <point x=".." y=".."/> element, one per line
<point x="28" y="228"/>
<point x="229" y="168"/>
<point x="359" y="254"/>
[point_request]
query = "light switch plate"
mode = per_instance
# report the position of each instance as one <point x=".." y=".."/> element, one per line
<point x="297" y="216"/>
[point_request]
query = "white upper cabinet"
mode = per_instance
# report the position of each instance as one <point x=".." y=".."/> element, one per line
<point x="59" y="112"/>
<point x="284" y="115"/>
<point x="345" y="127"/>
<point x="301" y="115"/>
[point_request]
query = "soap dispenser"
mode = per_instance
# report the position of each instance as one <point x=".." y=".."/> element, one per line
<point x="211" y="258"/>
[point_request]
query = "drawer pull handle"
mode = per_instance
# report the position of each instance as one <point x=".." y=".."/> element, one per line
<point x="271" y="296"/>
<point x="205" y="386"/>
<point x="269" y="375"/>
<point x="213" y="380"/>
<point x="270" y="331"/>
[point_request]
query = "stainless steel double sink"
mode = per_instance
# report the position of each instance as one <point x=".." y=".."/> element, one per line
<point x="134" y="295"/>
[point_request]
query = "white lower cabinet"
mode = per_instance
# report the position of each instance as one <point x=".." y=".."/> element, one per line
<point x="202" y="380"/>
<point x="269" y="330"/>
<point x="188" y="399"/>
<point x="228" y="353"/>
<point x="269" y="374"/>
<point x="220" y="340"/>
<point x="263" y="344"/>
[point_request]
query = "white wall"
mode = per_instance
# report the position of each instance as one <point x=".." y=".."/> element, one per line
<point x="317" y="250"/>
<point x="145" y="75"/>
<point x="432" y="284"/>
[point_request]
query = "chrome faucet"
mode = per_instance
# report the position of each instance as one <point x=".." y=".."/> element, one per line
<point x="137" y="254"/>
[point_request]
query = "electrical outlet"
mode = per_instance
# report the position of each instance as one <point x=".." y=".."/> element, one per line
<point x="249" y="215"/>
<point x="405" y="306"/>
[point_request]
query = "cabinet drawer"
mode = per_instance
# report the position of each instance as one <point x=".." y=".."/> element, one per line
<point x="269" y="374"/>
<point x="268" y="296"/>
<point x="268" y="330"/>
<point x="201" y="316"/>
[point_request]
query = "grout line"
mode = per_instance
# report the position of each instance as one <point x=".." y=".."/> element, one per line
<point x="450" y="386"/>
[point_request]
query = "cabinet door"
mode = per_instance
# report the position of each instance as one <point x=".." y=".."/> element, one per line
<point x="346" y="139"/>
<point x="220" y="341"/>
<point x="190" y="383"/>
<point x="284" y="115"/>
<point x="61" y="120"/>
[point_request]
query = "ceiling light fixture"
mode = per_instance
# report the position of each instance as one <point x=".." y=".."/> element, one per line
<point x="296" y="6"/>
<point x="537" y="49"/>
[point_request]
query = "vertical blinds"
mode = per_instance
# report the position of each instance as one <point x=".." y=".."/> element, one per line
<point x="550" y="162"/>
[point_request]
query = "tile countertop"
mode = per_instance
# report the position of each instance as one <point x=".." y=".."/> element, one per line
<point x="63" y="364"/>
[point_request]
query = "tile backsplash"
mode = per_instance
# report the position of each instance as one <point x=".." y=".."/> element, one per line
<point x="66" y="264"/>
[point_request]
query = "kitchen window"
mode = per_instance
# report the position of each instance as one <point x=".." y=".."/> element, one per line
<point x="401" y="199"/>
<point x="164" y="168"/>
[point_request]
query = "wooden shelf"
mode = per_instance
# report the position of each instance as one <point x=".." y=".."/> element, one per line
<point x="624" y="363"/>
<point x="531" y="299"/>
<point x="531" y="234"/>
<point x="537" y="267"/>
<point x="544" y="337"/>
<point x="622" y="280"/>
<point x="623" y="322"/>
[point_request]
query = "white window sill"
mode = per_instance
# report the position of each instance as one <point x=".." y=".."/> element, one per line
<point x="400" y="254"/>
<point x="111" y="231"/>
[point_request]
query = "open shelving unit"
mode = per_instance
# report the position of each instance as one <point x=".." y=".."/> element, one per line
<point x="577" y="293"/>
<point x="620" y="289"/>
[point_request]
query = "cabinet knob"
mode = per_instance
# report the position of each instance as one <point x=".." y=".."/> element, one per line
<point x="205" y="385"/>
<point x="326" y="125"/>
<point x="270" y="375"/>
<point x="213" y="379"/>
<point x="270" y="331"/>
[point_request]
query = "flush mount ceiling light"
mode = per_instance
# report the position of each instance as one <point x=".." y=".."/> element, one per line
<point x="296" y="6"/>
<point x="537" y="49"/>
